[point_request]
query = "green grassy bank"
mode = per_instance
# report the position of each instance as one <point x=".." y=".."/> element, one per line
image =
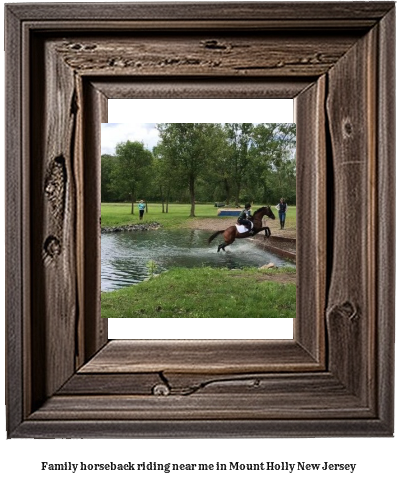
<point x="116" y="214"/>
<point x="206" y="293"/>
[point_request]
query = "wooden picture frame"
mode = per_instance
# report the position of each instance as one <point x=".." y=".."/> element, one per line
<point x="335" y="378"/>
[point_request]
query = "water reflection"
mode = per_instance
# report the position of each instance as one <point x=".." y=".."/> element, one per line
<point x="125" y="255"/>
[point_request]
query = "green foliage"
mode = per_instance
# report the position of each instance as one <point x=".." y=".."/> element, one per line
<point x="240" y="139"/>
<point x="128" y="172"/>
<point x="274" y="162"/>
<point x="152" y="266"/>
<point x="197" y="162"/>
<point x="184" y="293"/>
<point x="107" y="165"/>
<point x="164" y="180"/>
<point x="187" y="150"/>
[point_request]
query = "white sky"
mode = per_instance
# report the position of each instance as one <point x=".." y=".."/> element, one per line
<point x="129" y="116"/>
<point x="113" y="133"/>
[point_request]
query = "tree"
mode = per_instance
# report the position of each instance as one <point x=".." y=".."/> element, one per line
<point x="132" y="169"/>
<point x="107" y="167"/>
<point x="188" y="149"/>
<point x="239" y="136"/>
<point x="218" y="182"/>
<point x="274" y="146"/>
<point x="163" y="176"/>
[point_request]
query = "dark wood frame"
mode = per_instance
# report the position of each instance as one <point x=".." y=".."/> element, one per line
<point x="64" y="379"/>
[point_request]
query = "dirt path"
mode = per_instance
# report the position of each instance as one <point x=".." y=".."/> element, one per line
<point x="221" y="223"/>
<point x="280" y="278"/>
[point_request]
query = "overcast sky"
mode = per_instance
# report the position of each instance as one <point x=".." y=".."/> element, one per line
<point x="113" y="133"/>
<point x="131" y="113"/>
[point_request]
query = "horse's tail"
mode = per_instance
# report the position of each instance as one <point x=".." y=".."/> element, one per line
<point x="214" y="235"/>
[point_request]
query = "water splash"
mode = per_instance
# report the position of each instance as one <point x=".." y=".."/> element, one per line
<point x="125" y="255"/>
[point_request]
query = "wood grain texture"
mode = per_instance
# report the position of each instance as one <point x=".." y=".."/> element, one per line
<point x="185" y="384"/>
<point x="95" y="329"/>
<point x="15" y="207"/>
<point x="53" y="212"/>
<point x="204" y="407"/>
<point x="351" y="109"/>
<point x="241" y="54"/>
<point x="112" y="384"/>
<point x="360" y="13"/>
<point x="385" y="224"/>
<point x="312" y="236"/>
<point x="176" y="87"/>
<point x="269" y="396"/>
<point x="316" y="385"/>
<point x="200" y="356"/>
<point x="274" y="428"/>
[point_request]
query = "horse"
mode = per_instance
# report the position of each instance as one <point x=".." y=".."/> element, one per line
<point x="231" y="233"/>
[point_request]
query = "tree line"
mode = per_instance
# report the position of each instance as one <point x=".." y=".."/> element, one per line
<point x="205" y="162"/>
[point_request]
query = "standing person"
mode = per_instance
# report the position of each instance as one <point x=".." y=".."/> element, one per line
<point x="141" y="209"/>
<point x="244" y="215"/>
<point x="282" y="208"/>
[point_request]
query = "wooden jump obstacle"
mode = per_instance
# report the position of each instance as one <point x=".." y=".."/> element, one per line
<point x="229" y="211"/>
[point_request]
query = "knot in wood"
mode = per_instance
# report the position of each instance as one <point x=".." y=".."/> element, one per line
<point x="161" y="390"/>
<point x="349" y="310"/>
<point x="90" y="47"/>
<point x="52" y="246"/>
<point x="213" y="44"/>
<point x="347" y="128"/>
<point x="50" y="189"/>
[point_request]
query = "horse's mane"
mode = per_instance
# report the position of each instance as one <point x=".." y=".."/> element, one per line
<point x="258" y="210"/>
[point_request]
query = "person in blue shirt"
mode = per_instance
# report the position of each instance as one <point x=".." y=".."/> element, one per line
<point x="141" y="209"/>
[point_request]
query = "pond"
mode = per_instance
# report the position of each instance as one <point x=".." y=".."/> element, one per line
<point x="125" y="256"/>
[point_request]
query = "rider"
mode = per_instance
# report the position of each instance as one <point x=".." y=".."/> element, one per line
<point x="244" y="215"/>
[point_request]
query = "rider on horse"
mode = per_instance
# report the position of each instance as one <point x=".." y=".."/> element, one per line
<point x="244" y="215"/>
<point x="231" y="233"/>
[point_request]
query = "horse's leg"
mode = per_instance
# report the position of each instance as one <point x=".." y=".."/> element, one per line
<point x="224" y="245"/>
<point x="267" y="231"/>
<point x="229" y="238"/>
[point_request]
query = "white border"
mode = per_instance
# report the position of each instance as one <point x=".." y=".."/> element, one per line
<point x="205" y="111"/>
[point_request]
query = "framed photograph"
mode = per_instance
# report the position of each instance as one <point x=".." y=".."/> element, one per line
<point x="172" y="194"/>
<point x="65" y="378"/>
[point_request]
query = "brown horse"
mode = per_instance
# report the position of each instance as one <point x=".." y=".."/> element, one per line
<point x="231" y="233"/>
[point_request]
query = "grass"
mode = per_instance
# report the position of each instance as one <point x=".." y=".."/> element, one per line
<point x="116" y="214"/>
<point x="185" y="293"/>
